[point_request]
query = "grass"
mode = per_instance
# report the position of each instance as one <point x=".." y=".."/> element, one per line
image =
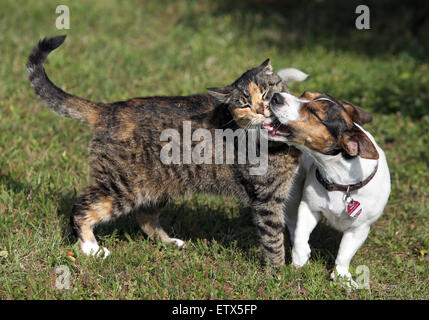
<point x="116" y="50"/>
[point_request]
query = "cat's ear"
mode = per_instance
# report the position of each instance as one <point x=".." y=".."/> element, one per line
<point x="356" y="143"/>
<point x="358" y="115"/>
<point x="222" y="94"/>
<point x="266" y="65"/>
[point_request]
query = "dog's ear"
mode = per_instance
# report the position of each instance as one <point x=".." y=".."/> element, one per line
<point x="222" y="94"/>
<point x="356" y="143"/>
<point x="358" y="115"/>
<point x="309" y="95"/>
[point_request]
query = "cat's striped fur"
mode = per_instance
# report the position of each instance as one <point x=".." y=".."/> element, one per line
<point x="126" y="174"/>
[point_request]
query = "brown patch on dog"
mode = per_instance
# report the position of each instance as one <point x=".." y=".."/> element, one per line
<point x="324" y="125"/>
<point x="311" y="133"/>
<point x="310" y="95"/>
<point x="325" y="112"/>
<point x="309" y="130"/>
<point x="356" y="113"/>
<point x="356" y="143"/>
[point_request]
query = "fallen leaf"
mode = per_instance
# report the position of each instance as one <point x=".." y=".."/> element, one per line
<point x="70" y="255"/>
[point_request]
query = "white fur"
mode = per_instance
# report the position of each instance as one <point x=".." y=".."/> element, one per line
<point x="317" y="201"/>
<point x="92" y="249"/>
<point x="178" y="243"/>
<point x="289" y="75"/>
<point x="291" y="110"/>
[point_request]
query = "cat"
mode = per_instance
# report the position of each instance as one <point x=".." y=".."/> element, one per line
<point x="127" y="175"/>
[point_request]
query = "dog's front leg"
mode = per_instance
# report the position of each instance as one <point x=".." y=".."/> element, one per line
<point x="293" y="201"/>
<point x="350" y="243"/>
<point x="307" y="221"/>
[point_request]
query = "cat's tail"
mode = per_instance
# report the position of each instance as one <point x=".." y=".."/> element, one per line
<point x="64" y="104"/>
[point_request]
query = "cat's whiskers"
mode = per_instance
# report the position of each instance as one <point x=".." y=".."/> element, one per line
<point x="250" y="125"/>
<point x="228" y="122"/>
<point x="240" y="136"/>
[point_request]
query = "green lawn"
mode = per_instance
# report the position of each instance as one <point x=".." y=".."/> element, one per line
<point x="121" y="49"/>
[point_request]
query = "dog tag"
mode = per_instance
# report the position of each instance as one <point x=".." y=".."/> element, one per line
<point x="354" y="209"/>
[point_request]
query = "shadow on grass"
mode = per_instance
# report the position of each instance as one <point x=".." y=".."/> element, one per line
<point x="184" y="221"/>
<point x="13" y="185"/>
<point x="64" y="210"/>
<point x="64" y="205"/>
<point x="201" y="222"/>
<point x="190" y="223"/>
<point x="395" y="26"/>
<point x="409" y="96"/>
<point x="324" y="243"/>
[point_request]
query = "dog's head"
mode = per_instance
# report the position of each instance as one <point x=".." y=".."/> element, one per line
<point x="248" y="97"/>
<point x="320" y="123"/>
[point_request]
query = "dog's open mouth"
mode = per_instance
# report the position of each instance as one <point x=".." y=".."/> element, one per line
<point x="276" y="129"/>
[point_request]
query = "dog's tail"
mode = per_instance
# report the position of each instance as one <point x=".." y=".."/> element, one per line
<point x="66" y="105"/>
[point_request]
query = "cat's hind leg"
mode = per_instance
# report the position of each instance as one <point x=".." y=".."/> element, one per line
<point x="148" y="220"/>
<point x="90" y="209"/>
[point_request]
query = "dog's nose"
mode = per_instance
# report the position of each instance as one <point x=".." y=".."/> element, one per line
<point x="277" y="99"/>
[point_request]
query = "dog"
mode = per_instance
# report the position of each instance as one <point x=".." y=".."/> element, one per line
<point x="343" y="173"/>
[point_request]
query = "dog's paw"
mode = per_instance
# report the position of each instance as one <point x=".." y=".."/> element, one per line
<point x="344" y="278"/>
<point x="300" y="256"/>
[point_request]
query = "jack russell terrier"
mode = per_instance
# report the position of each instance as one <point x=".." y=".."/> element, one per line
<point x="343" y="173"/>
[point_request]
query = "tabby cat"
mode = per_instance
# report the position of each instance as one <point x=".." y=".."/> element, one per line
<point x="126" y="174"/>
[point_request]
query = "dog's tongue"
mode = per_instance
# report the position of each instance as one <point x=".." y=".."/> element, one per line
<point x="270" y="129"/>
<point x="283" y="131"/>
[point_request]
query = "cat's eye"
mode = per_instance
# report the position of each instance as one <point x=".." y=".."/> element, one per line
<point x="244" y="103"/>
